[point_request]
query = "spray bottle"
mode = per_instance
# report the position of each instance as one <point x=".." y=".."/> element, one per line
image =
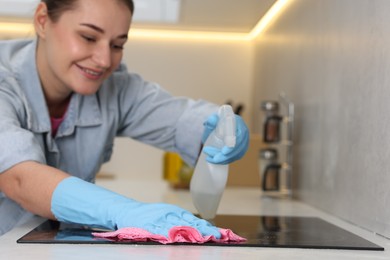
<point x="209" y="180"/>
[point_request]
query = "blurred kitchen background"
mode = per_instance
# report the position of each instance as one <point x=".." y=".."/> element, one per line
<point x="329" y="57"/>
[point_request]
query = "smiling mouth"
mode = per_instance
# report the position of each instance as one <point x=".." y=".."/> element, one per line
<point x="91" y="73"/>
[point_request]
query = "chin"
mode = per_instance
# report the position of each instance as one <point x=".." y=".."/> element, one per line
<point x="85" y="87"/>
<point x="86" y="91"/>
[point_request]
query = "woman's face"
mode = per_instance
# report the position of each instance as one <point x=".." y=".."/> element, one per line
<point x="81" y="49"/>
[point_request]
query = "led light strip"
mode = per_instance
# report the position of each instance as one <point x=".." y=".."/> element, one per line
<point x="186" y="35"/>
<point x="275" y="10"/>
<point x="28" y="30"/>
<point x="16" y="28"/>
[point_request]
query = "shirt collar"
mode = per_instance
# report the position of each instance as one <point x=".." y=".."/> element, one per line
<point x="83" y="111"/>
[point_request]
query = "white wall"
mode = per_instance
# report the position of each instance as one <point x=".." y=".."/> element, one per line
<point x="332" y="58"/>
<point x="212" y="70"/>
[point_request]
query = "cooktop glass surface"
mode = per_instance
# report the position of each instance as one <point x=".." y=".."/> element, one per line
<point x="260" y="231"/>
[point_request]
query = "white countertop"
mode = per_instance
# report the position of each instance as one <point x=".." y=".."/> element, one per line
<point x="235" y="201"/>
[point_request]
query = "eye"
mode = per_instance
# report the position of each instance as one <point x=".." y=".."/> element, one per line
<point x="88" y="38"/>
<point x="117" y="47"/>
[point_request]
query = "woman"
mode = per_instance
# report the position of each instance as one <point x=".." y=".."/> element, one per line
<point x="64" y="97"/>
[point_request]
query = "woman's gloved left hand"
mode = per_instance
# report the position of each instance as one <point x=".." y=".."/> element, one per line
<point x="226" y="155"/>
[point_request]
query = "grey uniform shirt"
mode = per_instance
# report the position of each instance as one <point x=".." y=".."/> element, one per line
<point x="125" y="105"/>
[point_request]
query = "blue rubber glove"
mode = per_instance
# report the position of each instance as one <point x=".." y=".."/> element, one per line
<point x="81" y="202"/>
<point x="226" y="154"/>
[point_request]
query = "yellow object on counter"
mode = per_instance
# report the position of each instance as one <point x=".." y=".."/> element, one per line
<point x="172" y="165"/>
<point x="176" y="171"/>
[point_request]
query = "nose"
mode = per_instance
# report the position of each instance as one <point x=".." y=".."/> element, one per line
<point x="102" y="56"/>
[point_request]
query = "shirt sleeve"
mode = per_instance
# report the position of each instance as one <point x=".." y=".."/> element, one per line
<point x="17" y="144"/>
<point x="152" y="115"/>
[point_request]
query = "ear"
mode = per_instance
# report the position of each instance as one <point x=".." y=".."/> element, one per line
<point x="41" y="19"/>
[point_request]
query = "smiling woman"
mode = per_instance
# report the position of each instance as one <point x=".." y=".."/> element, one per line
<point x="64" y="96"/>
<point x="96" y="42"/>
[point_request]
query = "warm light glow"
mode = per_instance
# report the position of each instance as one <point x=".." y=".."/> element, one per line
<point x="186" y="35"/>
<point x="16" y="28"/>
<point x="27" y="29"/>
<point x="275" y="10"/>
<point x="264" y="22"/>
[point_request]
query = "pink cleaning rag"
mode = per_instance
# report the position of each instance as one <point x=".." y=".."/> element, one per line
<point x="180" y="234"/>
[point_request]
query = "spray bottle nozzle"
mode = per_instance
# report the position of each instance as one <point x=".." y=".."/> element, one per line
<point x="226" y="127"/>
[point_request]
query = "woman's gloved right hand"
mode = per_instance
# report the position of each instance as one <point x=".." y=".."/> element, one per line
<point x="77" y="201"/>
<point x="226" y="155"/>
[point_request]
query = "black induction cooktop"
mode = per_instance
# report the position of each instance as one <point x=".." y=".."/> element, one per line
<point x="260" y="231"/>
